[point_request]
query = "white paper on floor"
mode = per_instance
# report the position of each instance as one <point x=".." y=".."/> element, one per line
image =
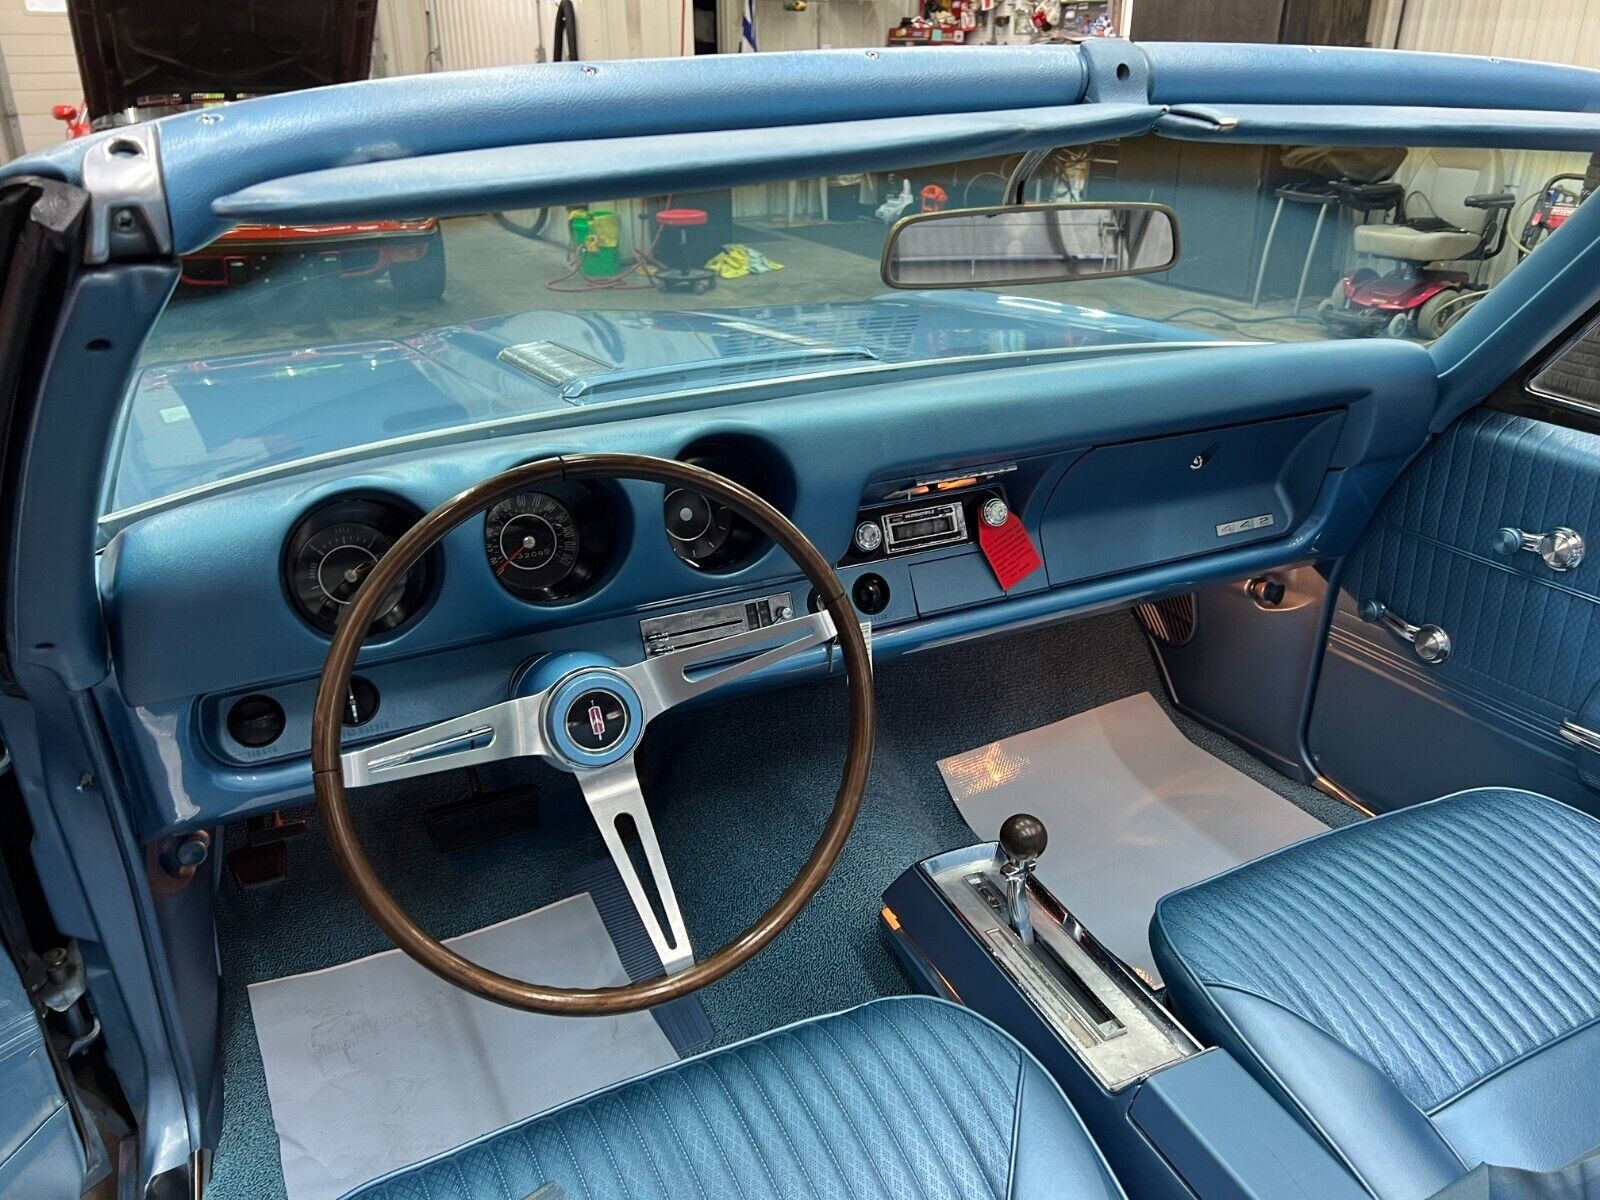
<point x="1133" y="808"/>
<point x="377" y="1063"/>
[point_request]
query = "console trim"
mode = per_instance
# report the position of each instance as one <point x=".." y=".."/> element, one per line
<point x="1094" y="1004"/>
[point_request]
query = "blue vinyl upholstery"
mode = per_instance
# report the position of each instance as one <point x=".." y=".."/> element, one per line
<point x="903" y="1098"/>
<point x="1524" y="638"/>
<point x="1430" y="552"/>
<point x="1423" y="989"/>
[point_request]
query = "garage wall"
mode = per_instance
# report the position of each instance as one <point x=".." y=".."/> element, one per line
<point x="503" y="33"/>
<point x="825" y="24"/>
<point x="37" y="49"/>
<point x="1565" y="31"/>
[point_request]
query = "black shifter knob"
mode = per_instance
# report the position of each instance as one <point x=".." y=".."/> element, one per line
<point x="1023" y="838"/>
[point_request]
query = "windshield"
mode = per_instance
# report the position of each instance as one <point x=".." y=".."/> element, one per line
<point x="286" y="343"/>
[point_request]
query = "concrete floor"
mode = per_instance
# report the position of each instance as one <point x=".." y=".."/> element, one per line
<point x="494" y="271"/>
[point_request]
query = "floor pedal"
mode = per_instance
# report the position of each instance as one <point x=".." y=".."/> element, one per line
<point x="264" y="858"/>
<point x="481" y="817"/>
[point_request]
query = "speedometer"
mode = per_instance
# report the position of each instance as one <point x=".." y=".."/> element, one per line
<point x="534" y="546"/>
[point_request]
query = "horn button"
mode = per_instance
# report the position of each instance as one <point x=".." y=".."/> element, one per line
<point x="593" y="717"/>
<point x="597" y="720"/>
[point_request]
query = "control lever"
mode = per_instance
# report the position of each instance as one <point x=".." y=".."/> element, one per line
<point x="1431" y="643"/>
<point x="1022" y="840"/>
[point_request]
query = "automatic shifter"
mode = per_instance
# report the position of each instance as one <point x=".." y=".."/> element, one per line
<point x="1022" y="841"/>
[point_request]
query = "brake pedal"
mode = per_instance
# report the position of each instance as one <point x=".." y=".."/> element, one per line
<point x="482" y="816"/>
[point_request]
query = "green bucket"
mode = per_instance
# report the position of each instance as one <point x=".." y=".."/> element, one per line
<point x="602" y="254"/>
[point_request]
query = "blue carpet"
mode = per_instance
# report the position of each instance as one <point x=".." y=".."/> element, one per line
<point x="740" y="792"/>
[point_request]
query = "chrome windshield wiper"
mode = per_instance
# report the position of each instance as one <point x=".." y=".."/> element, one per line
<point x="741" y="366"/>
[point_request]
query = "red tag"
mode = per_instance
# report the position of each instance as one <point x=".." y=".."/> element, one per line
<point x="1009" y="550"/>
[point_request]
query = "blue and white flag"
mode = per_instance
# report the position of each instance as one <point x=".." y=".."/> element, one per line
<point x="747" y="28"/>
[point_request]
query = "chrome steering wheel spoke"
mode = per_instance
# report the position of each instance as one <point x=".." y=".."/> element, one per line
<point x="666" y="680"/>
<point x="501" y="731"/>
<point x="613" y="794"/>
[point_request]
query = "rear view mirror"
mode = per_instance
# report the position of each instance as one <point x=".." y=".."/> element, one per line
<point x="1035" y="243"/>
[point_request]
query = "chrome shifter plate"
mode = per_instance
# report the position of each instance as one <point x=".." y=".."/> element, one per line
<point x="1094" y="1004"/>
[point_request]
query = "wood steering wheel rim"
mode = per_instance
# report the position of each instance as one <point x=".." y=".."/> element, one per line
<point x="327" y="743"/>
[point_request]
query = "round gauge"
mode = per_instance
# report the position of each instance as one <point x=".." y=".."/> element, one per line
<point x="706" y="533"/>
<point x="332" y="551"/>
<point x="536" y="547"/>
<point x="698" y="526"/>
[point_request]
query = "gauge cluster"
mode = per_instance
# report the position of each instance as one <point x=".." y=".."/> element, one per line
<point x="705" y="533"/>
<point x="546" y="546"/>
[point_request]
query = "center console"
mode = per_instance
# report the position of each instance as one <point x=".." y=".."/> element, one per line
<point x="1174" y="1119"/>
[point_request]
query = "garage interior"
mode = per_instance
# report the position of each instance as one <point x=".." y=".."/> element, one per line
<point x="1267" y="229"/>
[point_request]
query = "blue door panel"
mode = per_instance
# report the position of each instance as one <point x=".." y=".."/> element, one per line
<point x="1525" y="638"/>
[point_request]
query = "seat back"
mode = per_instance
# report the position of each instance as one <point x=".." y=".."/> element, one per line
<point x="1421" y="989"/>
<point x="1439" y="180"/>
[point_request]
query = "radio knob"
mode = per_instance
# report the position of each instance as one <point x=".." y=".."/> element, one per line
<point x="869" y="536"/>
<point x="995" y="512"/>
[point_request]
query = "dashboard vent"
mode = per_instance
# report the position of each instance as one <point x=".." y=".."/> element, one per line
<point x="1170" y="621"/>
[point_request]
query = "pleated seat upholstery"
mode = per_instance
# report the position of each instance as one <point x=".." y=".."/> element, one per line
<point x="902" y="1099"/>
<point x="1422" y="989"/>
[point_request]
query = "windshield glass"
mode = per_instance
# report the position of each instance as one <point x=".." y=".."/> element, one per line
<point x="285" y="343"/>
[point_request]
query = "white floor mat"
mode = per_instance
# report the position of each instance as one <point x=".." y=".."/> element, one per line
<point x="375" y="1064"/>
<point x="1134" y="810"/>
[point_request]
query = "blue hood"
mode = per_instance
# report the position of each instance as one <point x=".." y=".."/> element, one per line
<point x="196" y="422"/>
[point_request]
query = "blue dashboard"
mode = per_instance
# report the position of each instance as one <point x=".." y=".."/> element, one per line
<point x="1135" y="475"/>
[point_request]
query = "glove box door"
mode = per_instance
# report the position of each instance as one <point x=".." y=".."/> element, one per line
<point x="1135" y="504"/>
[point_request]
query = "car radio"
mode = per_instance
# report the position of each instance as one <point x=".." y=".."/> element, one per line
<point x="890" y="530"/>
<point x="924" y="528"/>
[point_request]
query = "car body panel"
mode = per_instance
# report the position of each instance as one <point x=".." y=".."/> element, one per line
<point x="128" y="50"/>
<point x="139" y="62"/>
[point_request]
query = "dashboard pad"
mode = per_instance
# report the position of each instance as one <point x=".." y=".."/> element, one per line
<point x="952" y="508"/>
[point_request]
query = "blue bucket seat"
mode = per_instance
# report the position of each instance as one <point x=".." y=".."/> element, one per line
<point x="907" y="1098"/>
<point x="1422" y="989"/>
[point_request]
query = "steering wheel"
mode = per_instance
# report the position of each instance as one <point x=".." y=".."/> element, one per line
<point x="585" y="715"/>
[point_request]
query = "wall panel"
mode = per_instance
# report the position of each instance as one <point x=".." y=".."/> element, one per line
<point x="41" y="70"/>
<point x="1565" y="31"/>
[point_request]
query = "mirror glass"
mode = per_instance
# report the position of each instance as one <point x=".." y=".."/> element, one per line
<point x="1040" y="243"/>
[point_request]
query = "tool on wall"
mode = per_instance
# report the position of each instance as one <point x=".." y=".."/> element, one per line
<point x="565" y="41"/>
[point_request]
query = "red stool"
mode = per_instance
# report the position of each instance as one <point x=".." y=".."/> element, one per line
<point x="679" y="273"/>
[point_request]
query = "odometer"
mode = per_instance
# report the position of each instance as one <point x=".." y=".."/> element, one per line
<point x="535" y="547"/>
